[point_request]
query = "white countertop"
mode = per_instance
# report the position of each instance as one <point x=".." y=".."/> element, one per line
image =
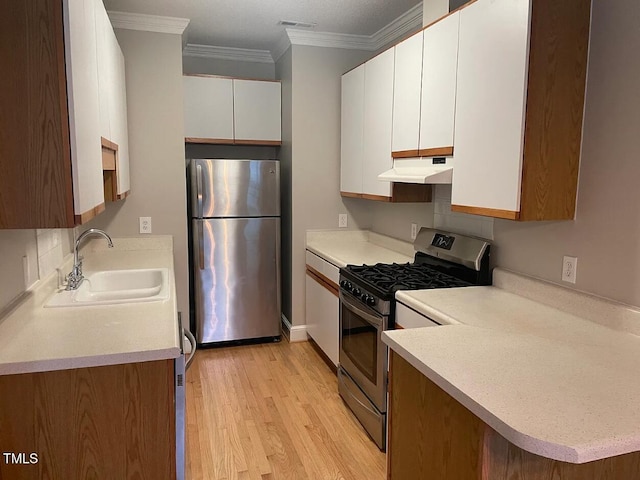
<point x="357" y="247"/>
<point x="37" y="339"/>
<point x="550" y="382"/>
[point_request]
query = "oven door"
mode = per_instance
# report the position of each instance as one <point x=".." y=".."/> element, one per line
<point x="362" y="354"/>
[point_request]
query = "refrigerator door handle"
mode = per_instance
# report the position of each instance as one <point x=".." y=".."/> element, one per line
<point x="199" y="194"/>
<point x="200" y="234"/>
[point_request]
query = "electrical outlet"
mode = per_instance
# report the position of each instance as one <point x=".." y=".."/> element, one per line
<point x="145" y="224"/>
<point x="414" y="231"/>
<point x="342" y="220"/>
<point x="569" y="267"/>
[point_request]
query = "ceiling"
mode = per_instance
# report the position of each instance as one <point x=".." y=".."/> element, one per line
<point x="253" y="24"/>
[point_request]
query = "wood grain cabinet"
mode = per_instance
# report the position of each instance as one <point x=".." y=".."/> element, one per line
<point x="110" y="423"/>
<point x="519" y="108"/>
<point x="233" y="111"/>
<point x="52" y="113"/>
<point x="323" y="306"/>
<point x="431" y="435"/>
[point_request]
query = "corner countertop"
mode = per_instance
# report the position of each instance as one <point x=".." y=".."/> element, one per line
<point x="38" y="339"/>
<point x="549" y="381"/>
<point x="357" y="247"/>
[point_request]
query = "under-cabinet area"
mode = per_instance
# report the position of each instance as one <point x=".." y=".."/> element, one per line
<point x="64" y="111"/>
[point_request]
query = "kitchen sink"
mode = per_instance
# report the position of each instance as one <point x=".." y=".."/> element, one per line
<point x="114" y="287"/>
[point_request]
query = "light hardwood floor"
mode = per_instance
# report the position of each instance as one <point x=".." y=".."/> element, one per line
<point x="272" y="412"/>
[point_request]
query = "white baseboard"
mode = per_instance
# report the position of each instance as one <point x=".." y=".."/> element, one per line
<point x="297" y="333"/>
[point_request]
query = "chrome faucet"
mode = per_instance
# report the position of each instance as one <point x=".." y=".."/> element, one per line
<point x="75" y="278"/>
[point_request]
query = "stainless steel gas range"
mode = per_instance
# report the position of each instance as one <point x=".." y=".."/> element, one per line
<point x="367" y="307"/>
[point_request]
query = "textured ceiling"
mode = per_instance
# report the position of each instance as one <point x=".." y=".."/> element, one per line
<point x="253" y="24"/>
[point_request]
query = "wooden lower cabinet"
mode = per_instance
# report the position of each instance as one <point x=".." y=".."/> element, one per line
<point x="433" y="437"/>
<point x="114" y="422"/>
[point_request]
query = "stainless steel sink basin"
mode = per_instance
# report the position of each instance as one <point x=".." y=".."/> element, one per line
<point x="116" y="286"/>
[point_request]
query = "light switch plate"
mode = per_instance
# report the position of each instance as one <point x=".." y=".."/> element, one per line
<point x="342" y="220"/>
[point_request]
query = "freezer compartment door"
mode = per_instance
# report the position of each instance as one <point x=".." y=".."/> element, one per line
<point x="235" y="188"/>
<point x="237" y="278"/>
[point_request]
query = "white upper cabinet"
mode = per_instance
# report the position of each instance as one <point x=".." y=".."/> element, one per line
<point x="406" y="96"/>
<point x="490" y="105"/>
<point x="105" y="73"/>
<point x="257" y="111"/>
<point x="119" y="124"/>
<point x="378" y="119"/>
<point x="352" y="116"/>
<point x="85" y="126"/>
<point x="439" y="69"/>
<point x="208" y="108"/>
<point x="520" y="102"/>
<point x="234" y="111"/>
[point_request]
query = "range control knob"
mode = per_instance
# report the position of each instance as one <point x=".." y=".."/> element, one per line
<point x="343" y="284"/>
<point x="356" y="291"/>
<point x="368" y="299"/>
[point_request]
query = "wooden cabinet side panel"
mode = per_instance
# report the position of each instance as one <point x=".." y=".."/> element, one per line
<point x="112" y="423"/>
<point x="35" y="159"/>
<point x="431" y="435"/>
<point x="555" y="104"/>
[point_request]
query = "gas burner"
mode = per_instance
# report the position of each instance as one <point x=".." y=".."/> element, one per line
<point x="408" y="276"/>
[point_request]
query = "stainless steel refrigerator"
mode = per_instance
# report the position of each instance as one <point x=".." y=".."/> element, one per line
<point x="235" y="254"/>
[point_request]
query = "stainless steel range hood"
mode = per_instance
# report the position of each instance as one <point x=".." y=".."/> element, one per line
<point x="434" y="170"/>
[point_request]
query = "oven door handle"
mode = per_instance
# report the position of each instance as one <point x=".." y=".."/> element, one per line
<point x="352" y="306"/>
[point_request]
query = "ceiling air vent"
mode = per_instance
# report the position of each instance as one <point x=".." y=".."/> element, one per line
<point x="293" y="23"/>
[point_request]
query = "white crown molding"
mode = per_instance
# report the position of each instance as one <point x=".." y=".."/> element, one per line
<point x="148" y="23"/>
<point x="227" y="53"/>
<point x="408" y="22"/>
<point x="281" y="47"/>
<point x="329" y="40"/>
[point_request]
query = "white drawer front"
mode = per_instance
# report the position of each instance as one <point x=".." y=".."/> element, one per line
<point x="408" y="318"/>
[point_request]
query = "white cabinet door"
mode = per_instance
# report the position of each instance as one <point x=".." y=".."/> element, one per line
<point x="257" y="111"/>
<point x="119" y="123"/>
<point x="439" y="63"/>
<point x="406" y="94"/>
<point x="490" y="101"/>
<point x="378" y="119"/>
<point x="208" y="108"/>
<point x="84" y="104"/>
<point x="352" y="115"/>
<point x="322" y="310"/>
<point x="408" y="318"/>
<point x="105" y="73"/>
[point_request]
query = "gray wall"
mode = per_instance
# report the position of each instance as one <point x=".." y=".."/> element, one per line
<point x="434" y="9"/>
<point x="606" y="231"/>
<point x="284" y="72"/>
<point x="156" y="147"/>
<point x="229" y="68"/>
<point x="310" y="157"/>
